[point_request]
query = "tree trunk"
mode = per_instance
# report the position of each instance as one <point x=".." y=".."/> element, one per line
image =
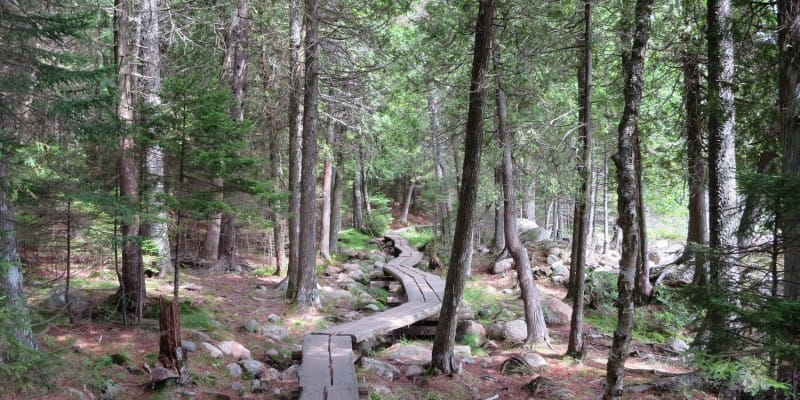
<point x="643" y="291"/>
<point x="499" y="238"/>
<point x="442" y="356"/>
<point x="327" y="188"/>
<point x="306" y="294"/>
<point x="439" y="166"/>
<point x="296" y="57"/>
<point x="582" y="223"/>
<point x="721" y="163"/>
<point x="214" y="225"/>
<point x="171" y="355"/>
<point x="132" y="293"/>
<point x="407" y="201"/>
<point x="789" y="20"/>
<point x="358" y="201"/>
<point x="753" y="202"/>
<point x="276" y="175"/>
<point x="17" y="318"/>
<point x="698" y="195"/>
<point x="627" y="189"/>
<point x="156" y="229"/>
<point x="336" y="202"/>
<point x="534" y="316"/>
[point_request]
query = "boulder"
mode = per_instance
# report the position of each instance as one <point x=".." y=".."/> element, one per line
<point x="525" y="225"/>
<point x="291" y="374"/>
<point x="234" y="349"/>
<point x="515" y="331"/>
<point x="534" y="360"/>
<point x="380" y="368"/>
<point x="411" y="355"/>
<point x="556" y="312"/>
<point x="252" y="367"/>
<point x="474" y="328"/>
<point x="503" y="265"/>
<point x="251" y="326"/>
<point x="413" y="370"/>
<point x="111" y="390"/>
<point x="273" y="318"/>
<point x="213" y="351"/>
<point x="677" y="345"/>
<point x="552" y="259"/>
<point x="56" y="300"/>
<point x="234" y="370"/>
<point x="350" y="267"/>
<point x="535" y="235"/>
<point x="332" y="270"/>
<point x="274" y="331"/>
<point x="560" y="272"/>
<point x="358" y="275"/>
<point x="188" y="346"/>
<point x="495" y="330"/>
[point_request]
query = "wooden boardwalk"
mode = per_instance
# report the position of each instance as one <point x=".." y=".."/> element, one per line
<point x="327" y="371"/>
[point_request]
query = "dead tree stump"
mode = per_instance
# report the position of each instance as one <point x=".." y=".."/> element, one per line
<point x="171" y="365"/>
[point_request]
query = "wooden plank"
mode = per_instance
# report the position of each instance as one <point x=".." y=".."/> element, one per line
<point x="315" y="372"/>
<point x="341" y="349"/>
<point x="343" y="393"/>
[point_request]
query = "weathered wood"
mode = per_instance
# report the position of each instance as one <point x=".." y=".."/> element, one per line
<point x="171" y="357"/>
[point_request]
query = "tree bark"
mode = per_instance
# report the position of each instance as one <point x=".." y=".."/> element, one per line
<point x="627" y="189"/>
<point x="358" y="201"/>
<point x="789" y="41"/>
<point x="582" y="223"/>
<point x="534" y="316"/>
<point x="297" y="57"/>
<point x="306" y="294"/>
<point x="409" y="195"/>
<point x="499" y="238"/>
<point x="132" y="293"/>
<point x="157" y="228"/>
<point x="214" y="224"/>
<point x="721" y="163"/>
<point x="327" y="188"/>
<point x="171" y="355"/>
<point x="17" y="317"/>
<point x="336" y="202"/>
<point x="698" y="201"/>
<point x="442" y="356"/>
<point x="439" y="165"/>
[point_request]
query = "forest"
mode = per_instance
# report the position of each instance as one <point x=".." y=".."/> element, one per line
<point x="518" y="199"/>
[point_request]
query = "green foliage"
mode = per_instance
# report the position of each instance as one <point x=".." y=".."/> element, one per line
<point x="418" y="237"/>
<point x="195" y="317"/>
<point x="377" y="222"/>
<point x="355" y="240"/>
<point x="748" y="373"/>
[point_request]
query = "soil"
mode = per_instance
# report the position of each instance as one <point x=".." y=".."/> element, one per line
<point x="81" y="363"/>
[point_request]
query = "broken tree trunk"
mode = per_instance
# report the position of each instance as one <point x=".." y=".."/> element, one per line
<point x="171" y="357"/>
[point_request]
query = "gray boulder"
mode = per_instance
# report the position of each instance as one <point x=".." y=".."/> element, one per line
<point x="274" y="331"/>
<point x="677" y="345"/>
<point x="534" y="360"/>
<point x="503" y="265"/>
<point x="413" y="370"/>
<point x="525" y="225"/>
<point x="234" y="370"/>
<point x="252" y="367"/>
<point x="495" y="330"/>
<point x="556" y="312"/>
<point x="213" y="351"/>
<point x="251" y="326"/>
<point x="188" y="346"/>
<point x="380" y="368"/>
<point x="535" y="235"/>
<point x="234" y="349"/>
<point x="515" y="331"/>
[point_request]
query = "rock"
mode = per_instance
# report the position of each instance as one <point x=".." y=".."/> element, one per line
<point x="490" y="345"/>
<point x="270" y="375"/>
<point x="485" y="364"/>
<point x="381" y="390"/>
<point x="553" y="259"/>
<point x="111" y="390"/>
<point x="189" y="346"/>
<point x="560" y="272"/>
<point x="274" y="331"/>
<point x="258" y="387"/>
<point x="654" y="257"/>
<point x="557" y="252"/>
<point x="507" y="291"/>
<point x="330" y="293"/>
<point x="525" y="225"/>
<point x="251" y="326"/>
<point x="273" y="318"/>
<point x="252" y="367"/>
<point x="55" y="300"/>
<point x="515" y="331"/>
<point x="332" y="270"/>
<point x="413" y="370"/>
<point x="535" y="235"/>
<point x="358" y="276"/>
<point x="556" y="312"/>
<point x="534" y="360"/>
<point x="495" y="330"/>
<point x="351" y="267"/>
<point x="503" y="265"/>
<point x="372" y="307"/>
<point x="380" y="368"/>
<point x="474" y="328"/>
<point x="199" y="336"/>
<point x="212" y="350"/>
<point x="234" y="349"/>
<point x="678" y="345"/>
<point x="462" y="350"/>
<point x="411" y="355"/>
<point x="376" y="275"/>
<point x="291" y="374"/>
<point x="234" y="370"/>
<point x="237" y="387"/>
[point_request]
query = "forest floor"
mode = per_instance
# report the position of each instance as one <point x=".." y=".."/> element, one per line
<point x="96" y="352"/>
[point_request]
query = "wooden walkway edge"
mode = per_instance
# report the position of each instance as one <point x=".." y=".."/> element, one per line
<point x="327" y="371"/>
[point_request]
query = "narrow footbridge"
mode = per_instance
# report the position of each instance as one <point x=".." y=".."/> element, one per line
<point x="327" y="371"/>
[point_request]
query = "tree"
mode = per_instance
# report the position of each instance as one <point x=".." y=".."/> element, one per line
<point x="296" y="60"/>
<point x="306" y="291"/>
<point x="721" y="164"/>
<point x="132" y="287"/>
<point x="534" y="316"/>
<point x="442" y="356"/>
<point x="627" y="192"/>
<point x="157" y="228"/>
<point x="582" y="225"/>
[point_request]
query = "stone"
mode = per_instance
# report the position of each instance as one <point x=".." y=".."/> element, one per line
<point x="237" y="387"/>
<point x="553" y="259"/>
<point x="556" y="312"/>
<point x="273" y="318"/>
<point x="111" y="390"/>
<point x="376" y="274"/>
<point x="358" y="276"/>
<point x="474" y="328"/>
<point x="213" y="351"/>
<point x="525" y="225"/>
<point x="678" y="345"/>
<point x="332" y="270"/>
<point x="557" y="252"/>
<point x="291" y="374"/>
<point x="560" y="272"/>
<point x="534" y="360"/>
<point x="495" y="330"/>
<point x="380" y="368"/>
<point x="381" y="390"/>
<point x="56" y="300"/>
<point x="413" y="370"/>
<point x="485" y="364"/>
<point x="330" y="293"/>
<point x="234" y="370"/>
<point x="462" y="350"/>
<point x="491" y="345"/>
<point x="411" y="355"/>
<point x="234" y="349"/>
<point x="372" y="307"/>
<point x="515" y="331"/>
<point x="251" y="326"/>
<point x="188" y="346"/>
<point x="274" y="331"/>
<point x="252" y="367"/>
<point x="199" y="336"/>
<point x="503" y="265"/>
<point x="258" y="387"/>
<point x="535" y="235"/>
<point x="351" y="267"/>
<point x="270" y="375"/>
<point x="654" y="257"/>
